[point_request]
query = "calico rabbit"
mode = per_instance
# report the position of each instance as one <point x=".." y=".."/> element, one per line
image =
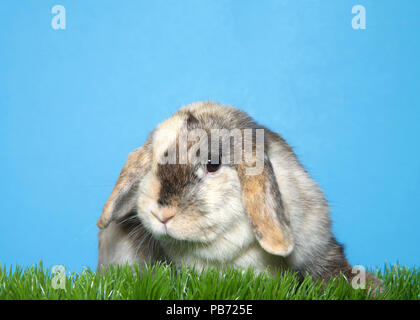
<point x="201" y="204"/>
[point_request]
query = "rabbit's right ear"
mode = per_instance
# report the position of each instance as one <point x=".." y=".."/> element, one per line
<point x="263" y="204"/>
<point x="123" y="197"/>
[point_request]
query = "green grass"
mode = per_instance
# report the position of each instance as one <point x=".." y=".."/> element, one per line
<point x="161" y="281"/>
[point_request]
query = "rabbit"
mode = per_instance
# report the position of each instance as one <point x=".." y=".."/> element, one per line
<point x="214" y="212"/>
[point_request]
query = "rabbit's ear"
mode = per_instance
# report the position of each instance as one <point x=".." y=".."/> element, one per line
<point x="263" y="204"/>
<point x="123" y="197"/>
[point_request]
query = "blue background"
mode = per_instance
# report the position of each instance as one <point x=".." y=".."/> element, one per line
<point x="75" y="102"/>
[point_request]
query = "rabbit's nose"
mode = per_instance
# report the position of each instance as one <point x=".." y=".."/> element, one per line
<point x="165" y="214"/>
<point x="167" y="219"/>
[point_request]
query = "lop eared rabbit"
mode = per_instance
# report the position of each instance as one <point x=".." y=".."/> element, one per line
<point x="215" y="213"/>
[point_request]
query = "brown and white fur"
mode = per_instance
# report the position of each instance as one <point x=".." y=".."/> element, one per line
<point x="180" y="213"/>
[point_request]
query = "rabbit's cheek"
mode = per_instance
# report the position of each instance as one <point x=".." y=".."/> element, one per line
<point x="148" y="192"/>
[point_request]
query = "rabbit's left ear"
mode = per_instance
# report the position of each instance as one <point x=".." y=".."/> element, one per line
<point x="263" y="204"/>
<point x="123" y="197"/>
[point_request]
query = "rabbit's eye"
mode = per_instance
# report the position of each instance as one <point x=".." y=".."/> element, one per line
<point x="212" y="167"/>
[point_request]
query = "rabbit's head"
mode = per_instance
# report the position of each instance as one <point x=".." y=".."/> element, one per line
<point x="201" y="174"/>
